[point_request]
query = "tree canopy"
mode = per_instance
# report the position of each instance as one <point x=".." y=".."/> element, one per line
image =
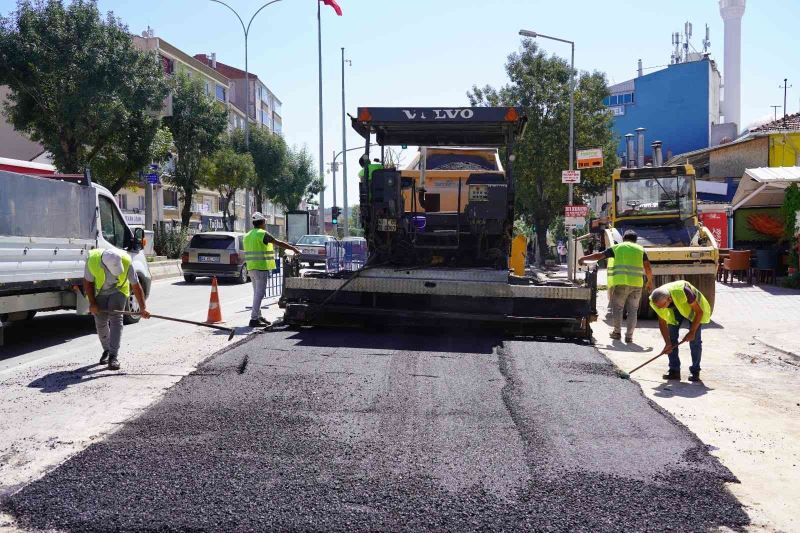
<point x="540" y="85"/>
<point x="270" y="156"/>
<point x="197" y="123"/>
<point x="300" y="181"/>
<point x="79" y="86"/>
<point x="226" y="171"/>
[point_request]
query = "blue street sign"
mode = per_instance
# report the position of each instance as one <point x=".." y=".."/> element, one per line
<point x="152" y="178"/>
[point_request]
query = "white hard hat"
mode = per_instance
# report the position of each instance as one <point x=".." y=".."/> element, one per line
<point x="258" y="217"/>
<point x="112" y="261"/>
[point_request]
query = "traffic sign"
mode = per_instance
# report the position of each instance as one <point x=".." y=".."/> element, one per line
<point x="576" y="211"/>
<point x="570" y="176"/>
<point x="591" y="158"/>
<point x="152" y="178"/>
<point x="574" y="222"/>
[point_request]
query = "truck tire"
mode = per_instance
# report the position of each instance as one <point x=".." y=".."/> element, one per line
<point x="189" y="278"/>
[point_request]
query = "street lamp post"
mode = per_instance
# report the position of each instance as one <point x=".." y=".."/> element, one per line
<point x="534" y="35"/>
<point x="346" y="225"/>
<point x="246" y="30"/>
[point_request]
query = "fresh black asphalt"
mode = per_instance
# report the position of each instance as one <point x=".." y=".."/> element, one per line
<point x="346" y="430"/>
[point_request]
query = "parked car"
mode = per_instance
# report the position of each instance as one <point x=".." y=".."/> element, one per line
<point x="215" y="253"/>
<point x="312" y="248"/>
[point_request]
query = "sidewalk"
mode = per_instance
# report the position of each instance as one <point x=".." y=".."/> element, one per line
<point x="747" y="410"/>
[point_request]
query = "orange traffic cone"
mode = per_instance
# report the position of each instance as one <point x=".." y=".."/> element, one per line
<point x="214" y="310"/>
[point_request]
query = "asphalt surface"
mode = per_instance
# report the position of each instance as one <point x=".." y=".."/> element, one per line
<point x="355" y="431"/>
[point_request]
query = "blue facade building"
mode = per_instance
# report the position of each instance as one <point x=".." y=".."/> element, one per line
<point x="677" y="105"/>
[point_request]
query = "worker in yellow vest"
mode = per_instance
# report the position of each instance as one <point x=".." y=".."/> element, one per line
<point x="628" y="266"/>
<point x="259" y="253"/>
<point x="675" y="303"/>
<point x="108" y="280"/>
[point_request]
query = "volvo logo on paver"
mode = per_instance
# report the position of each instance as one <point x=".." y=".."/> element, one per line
<point x="441" y="114"/>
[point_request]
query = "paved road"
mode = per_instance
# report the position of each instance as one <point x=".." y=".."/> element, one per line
<point x="55" y="400"/>
<point x="356" y="431"/>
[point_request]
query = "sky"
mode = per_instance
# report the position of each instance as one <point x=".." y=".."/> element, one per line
<point x="430" y="52"/>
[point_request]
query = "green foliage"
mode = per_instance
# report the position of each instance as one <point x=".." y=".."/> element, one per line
<point x="300" y="181"/>
<point x="197" y="123"/>
<point x="790" y="208"/>
<point x="114" y="168"/>
<point x="793" y="281"/>
<point x="354" y="221"/>
<point x="270" y="156"/>
<point x="79" y="86"/>
<point x="540" y="85"/>
<point x="226" y="171"/>
<point x="170" y="242"/>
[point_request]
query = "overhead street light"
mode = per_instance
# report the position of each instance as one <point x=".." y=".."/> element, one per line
<point x="535" y="35"/>
<point x="246" y="30"/>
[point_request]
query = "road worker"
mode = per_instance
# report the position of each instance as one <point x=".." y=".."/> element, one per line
<point x="259" y="253"/>
<point x="369" y="167"/>
<point x="675" y="303"/>
<point x="627" y="266"/>
<point x="108" y="280"/>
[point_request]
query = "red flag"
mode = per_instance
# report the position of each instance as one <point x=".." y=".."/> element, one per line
<point x="334" y="5"/>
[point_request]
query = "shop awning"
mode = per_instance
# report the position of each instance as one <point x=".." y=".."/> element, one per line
<point x="764" y="187"/>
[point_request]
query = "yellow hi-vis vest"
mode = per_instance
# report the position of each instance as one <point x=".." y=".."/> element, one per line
<point x="681" y="302"/>
<point x="627" y="267"/>
<point x="257" y="255"/>
<point x="96" y="268"/>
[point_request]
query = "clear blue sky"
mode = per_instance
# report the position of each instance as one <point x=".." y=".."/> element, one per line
<point x="429" y="52"/>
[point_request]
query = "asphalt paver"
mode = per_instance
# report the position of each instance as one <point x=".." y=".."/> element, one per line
<point x="347" y="430"/>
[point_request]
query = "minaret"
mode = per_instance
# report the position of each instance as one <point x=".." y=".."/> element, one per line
<point x="732" y="12"/>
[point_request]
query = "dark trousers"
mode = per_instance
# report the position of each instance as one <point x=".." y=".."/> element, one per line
<point x="695" y="347"/>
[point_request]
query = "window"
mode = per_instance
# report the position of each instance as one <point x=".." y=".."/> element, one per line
<point x="266" y="119"/>
<point x="276" y="106"/>
<point x="122" y="201"/>
<point x="213" y="242"/>
<point x="170" y="198"/>
<point x="221" y="93"/>
<point x="111" y="223"/>
<point x="277" y="127"/>
<point x="208" y="89"/>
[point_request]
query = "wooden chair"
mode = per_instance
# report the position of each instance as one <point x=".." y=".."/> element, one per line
<point x="724" y="253"/>
<point x="737" y="264"/>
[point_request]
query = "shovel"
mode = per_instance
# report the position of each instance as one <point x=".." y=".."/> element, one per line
<point x="232" y="331"/>
<point x="627" y="375"/>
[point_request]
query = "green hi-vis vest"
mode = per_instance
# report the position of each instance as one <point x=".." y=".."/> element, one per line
<point x="372" y="167"/>
<point x="627" y="267"/>
<point x="259" y="256"/>
<point x="96" y="268"/>
<point x="681" y="302"/>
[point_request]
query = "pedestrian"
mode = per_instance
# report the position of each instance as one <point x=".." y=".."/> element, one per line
<point x="675" y="303"/>
<point x="562" y="252"/>
<point x="108" y="280"/>
<point x="259" y="254"/>
<point x="628" y="264"/>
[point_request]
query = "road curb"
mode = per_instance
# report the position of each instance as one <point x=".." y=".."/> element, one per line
<point x="165" y="269"/>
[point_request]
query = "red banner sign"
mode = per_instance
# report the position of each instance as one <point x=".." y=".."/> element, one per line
<point x="576" y="211"/>
<point x="717" y="223"/>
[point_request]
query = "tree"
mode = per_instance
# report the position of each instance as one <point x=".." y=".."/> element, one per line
<point x="354" y="221"/>
<point x="114" y="168"/>
<point x="226" y="171"/>
<point x="197" y="123"/>
<point x="540" y="85"/>
<point x="299" y="182"/>
<point x="79" y="86"/>
<point x="269" y="155"/>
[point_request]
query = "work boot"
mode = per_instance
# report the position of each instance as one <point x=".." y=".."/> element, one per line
<point x="628" y="339"/>
<point x="616" y="335"/>
<point x="672" y="374"/>
<point x="104" y="358"/>
<point x="255" y="323"/>
<point x="264" y="322"/>
<point x="695" y="376"/>
<point x="113" y="363"/>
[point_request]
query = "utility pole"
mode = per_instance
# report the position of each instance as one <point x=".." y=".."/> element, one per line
<point x="345" y="207"/>
<point x="775" y="109"/>
<point x="785" y="88"/>
<point x="321" y="147"/>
